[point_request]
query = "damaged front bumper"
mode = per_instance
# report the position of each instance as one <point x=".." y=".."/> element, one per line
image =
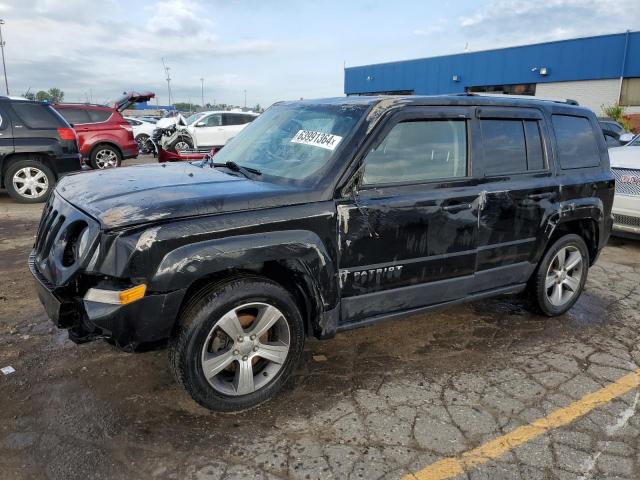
<point x="147" y="320"/>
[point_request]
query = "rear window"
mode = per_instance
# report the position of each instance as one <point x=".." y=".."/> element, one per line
<point x="74" y="115"/>
<point x="231" y="119"/>
<point x="504" y="146"/>
<point x="99" y="115"/>
<point x="577" y="145"/>
<point x="512" y="146"/>
<point x="37" y="115"/>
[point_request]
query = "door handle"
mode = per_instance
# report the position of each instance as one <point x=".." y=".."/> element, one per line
<point x="540" y="196"/>
<point x="458" y="207"/>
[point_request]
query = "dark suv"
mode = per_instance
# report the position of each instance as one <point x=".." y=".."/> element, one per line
<point x="37" y="146"/>
<point x="322" y="216"/>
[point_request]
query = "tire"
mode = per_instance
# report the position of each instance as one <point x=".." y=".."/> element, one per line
<point x="105" y="156"/>
<point x="37" y="190"/>
<point x="178" y="141"/>
<point x="201" y="343"/>
<point x="556" y="285"/>
<point x="142" y="140"/>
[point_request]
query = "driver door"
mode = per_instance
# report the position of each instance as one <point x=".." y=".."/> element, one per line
<point x="209" y="131"/>
<point x="408" y="236"/>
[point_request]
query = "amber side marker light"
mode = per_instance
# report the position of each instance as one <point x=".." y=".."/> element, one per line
<point x="116" y="297"/>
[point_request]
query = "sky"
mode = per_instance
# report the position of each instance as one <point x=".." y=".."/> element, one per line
<point x="273" y="49"/>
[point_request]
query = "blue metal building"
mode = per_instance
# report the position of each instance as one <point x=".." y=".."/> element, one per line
<point x="596" y="71"/>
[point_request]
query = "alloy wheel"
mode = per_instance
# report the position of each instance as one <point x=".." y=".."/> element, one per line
<point x="30" y="182"/>
<point x="142" y="140"/>
<point x="564" y="274"/>
<point x="245" y="349"/>
<point x="181" y="146"/>
<point x="106" y="158"/>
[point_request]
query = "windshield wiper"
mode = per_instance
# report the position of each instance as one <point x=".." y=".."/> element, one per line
<point x="236" y="168"/>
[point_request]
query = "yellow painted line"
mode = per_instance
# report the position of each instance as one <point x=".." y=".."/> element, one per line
<point x="451" y="467"/>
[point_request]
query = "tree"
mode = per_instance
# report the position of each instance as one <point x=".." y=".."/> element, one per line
<point x="185" y="107"/>
<point x="55" y="95"/>
<point x="29" y="95"/>
<point x="257" y="108"/>
<point x="42" y="96"/>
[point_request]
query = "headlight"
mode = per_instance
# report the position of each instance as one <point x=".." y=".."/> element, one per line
<point x="83" y="244"/>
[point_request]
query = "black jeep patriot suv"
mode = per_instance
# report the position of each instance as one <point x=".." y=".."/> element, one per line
<point x="325" y="215"/>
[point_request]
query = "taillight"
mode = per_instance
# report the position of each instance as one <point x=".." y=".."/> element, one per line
<point x="127" y="127"/>
<point x="66" y="133"/>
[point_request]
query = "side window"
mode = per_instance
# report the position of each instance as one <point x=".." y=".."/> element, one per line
<point x="535" y="150"/>
<point x="214" y="121"/>
<point x="504" y="147"/>
<point x="577" y="146"/>
<point x="96" y="116"/>
<point x="417" y="151"/>
<point x="236" y="119"/>
<point x="231" y="119"/>
<point x="37" y="115"/>
<point x="75" y="115"/>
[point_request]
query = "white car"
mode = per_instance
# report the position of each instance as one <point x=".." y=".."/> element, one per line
<point x="625" y="165"/>
<point x="211" y="129"/>
<point x="142" y="131"/>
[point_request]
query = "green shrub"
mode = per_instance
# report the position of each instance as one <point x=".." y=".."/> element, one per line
<point x="617" y="112"/>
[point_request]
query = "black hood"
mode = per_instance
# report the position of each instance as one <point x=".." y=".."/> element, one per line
<point x="144" y="193"/>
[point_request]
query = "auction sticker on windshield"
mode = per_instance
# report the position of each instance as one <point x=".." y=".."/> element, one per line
<point x="317" y="139"/>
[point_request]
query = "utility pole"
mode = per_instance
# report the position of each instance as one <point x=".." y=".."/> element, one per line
<point x="202" y="90"/>
<point x="245" y="99"/>
<point x="4" y="66"/>
<point x="166" y="70"/>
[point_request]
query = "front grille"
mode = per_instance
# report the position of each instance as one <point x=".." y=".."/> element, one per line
<point x="58" y="223"/>
<point x="627" y="220"/>
<point x="627" y="181"/>
<point x="49" y="227"/>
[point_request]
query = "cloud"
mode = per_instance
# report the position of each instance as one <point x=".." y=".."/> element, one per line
<point x="435" y="27"/>
<point x="177" y="17"/>
<point x="109" y="48"/>
<point x="507" y="22"/>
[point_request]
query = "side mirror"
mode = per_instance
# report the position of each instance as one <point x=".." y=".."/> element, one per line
<point x="626" y="137"/>
<point x="201" y="124"/>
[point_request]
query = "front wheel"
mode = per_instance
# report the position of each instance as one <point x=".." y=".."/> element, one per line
<point x="560" y="277"/>
<point x="237" y="344"/>
<point x="181" y="144"/>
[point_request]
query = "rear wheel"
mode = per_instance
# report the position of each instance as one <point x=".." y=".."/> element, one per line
<point x="29" y="181"/>
<point x="105" y="156"/>
<point x="238" y="343"/>
<point x="143" y="143"/>
<point x="561" y="276"/>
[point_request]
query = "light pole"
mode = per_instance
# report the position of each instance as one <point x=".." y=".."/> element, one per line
<point x="166" y="70"/>
<point x="4" y="66"/>
<point x="245" y="99"/>
<point x="202" y="90"/>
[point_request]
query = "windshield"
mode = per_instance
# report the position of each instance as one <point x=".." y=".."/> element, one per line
<point x="292" y="141"/>
<point x="193" y="118"/>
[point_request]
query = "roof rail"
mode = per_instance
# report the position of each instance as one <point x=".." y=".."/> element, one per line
<point x="567" y="101"/>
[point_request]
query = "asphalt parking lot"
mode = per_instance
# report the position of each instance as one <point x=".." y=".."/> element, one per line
<point x="480" y="391"/>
